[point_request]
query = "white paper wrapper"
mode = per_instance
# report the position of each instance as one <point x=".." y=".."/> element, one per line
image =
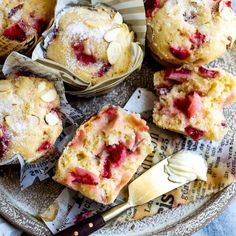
<point x="134" y="15"/>
<point x="220" y="157"/>
<point x="38" y="171"/>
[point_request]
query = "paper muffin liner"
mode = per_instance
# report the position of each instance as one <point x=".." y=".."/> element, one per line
<point x="133" y="14"/>
<point x="16" y="62"/>
<point x="71" y="207"/>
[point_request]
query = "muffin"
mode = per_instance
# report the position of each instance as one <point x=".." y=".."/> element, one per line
<point x="91" y="42"/>
<point x="29" y="117"/>
<point x="104" y="154"/>
<point x="190" y="32"/>
<point x="22" y="22"/>
<point x="191" y="101"/>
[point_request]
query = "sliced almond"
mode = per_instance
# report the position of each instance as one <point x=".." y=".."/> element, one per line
<point x="49" y="96"/>
<point x="113" y="52"/>
<point x="5" y="86"/>
<point x="41" y="86"/>
<point x="112" y="35"/>
<point x="1" y="133"/>
<point x="118" y="19"/>
<point x="10" y="121"/>
<point x="52" y="118"/>
<point x="33" y="120"/>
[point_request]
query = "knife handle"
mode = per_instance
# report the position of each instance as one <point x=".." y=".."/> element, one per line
<point x="85" y="227"/>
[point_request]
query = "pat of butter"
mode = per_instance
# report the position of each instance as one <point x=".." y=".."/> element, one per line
<point x="157" y="181"/>
<point x="186" y="166"/>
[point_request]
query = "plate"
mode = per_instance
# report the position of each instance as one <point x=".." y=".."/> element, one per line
<point x="21" y="207"/>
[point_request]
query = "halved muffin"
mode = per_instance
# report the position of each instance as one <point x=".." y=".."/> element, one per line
<point x="29" y="117"/>
<point x="104" y="154"/>
<point x="191" y="101"/>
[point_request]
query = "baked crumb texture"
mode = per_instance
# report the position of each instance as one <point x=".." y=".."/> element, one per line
<point x="104" y="154"/>
<point x="191" y="101"/>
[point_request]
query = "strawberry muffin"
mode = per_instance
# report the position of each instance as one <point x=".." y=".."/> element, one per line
<point x="191" y="101"/>
<point x="22" y="22"/>
<point x="104" y="154"/>
<point x="91" y="42"/>
<point x="29" y="117"/>
<point x="190" y="31"/>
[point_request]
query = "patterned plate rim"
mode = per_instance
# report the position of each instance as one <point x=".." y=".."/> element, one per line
<point x="208" y="212"/>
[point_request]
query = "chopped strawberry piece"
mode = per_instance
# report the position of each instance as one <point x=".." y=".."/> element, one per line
<point x="150" y="6"/>
<point x="229" y="4"/>
<point x="189" y="105"/>
<point x="4" y="141"/>
<point x="15" y="32"/>
<point x="194" y="133"/>
<point x="81" y="56"/>
<point x="40" y="25"/>
<point x="198" y="39"/>
<point x="117" y="153"/>
<point x="45" y="146"/>
<point x="111" y="111"/>
<point x="14" y="10"/>
<point x="207" y="73"/>
<point x="107" y="169"/>
<point x="195" y="104"/>
<point x="180" y="53"/>
<point x="83" y="176"/>
<point x="177" y="75"/>
<point x="105" y="67"/>
<point x="223" y="124"/>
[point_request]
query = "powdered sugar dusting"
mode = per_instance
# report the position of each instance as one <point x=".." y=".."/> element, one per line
<point x="81" y="31"/>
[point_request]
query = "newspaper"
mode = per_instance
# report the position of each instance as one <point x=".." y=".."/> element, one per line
<point x="220" y="156"/>
<point x="39" y="171"/>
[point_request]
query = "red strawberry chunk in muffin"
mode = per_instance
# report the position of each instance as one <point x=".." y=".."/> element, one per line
<point x="151" y="6"/>
<point x="44" y="146"/>
<point x="180" y="53"/>
<point x="208" y="73"/>
<point x="4" y="141"/>
<point x="15" y="32"/>
<point x="194" y="133"/>
<point x="105" y="68"/>
<point x="198" y="39"/>
<point x="229" y="4"/>
<point x="117" y="153"/>
<point x="178" y="75"/>
<point x="82" y="57"/>
<point x="83" y="176"/>
<point x="189" y="105"/>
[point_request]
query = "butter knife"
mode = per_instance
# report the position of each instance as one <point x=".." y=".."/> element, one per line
<point x="165" y="176"/>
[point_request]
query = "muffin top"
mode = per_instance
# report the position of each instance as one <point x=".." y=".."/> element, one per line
<point x="92" y="42"/>
<point x="22" y="21"/>
<point x="29" y="117"/>
<point x="197" y="32"/>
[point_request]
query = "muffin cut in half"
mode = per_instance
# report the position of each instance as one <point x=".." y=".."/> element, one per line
<point x="189" y="31"/>
<point x="104" y="154"/>
<point x="191" y="101"/>
<point x="22" y="23"/>
<point x="29" y="117"/>
<point x="92" y="42"/>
